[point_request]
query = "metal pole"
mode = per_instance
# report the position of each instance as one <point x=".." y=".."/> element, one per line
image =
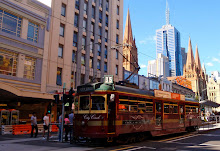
<point x="63" y="110"/>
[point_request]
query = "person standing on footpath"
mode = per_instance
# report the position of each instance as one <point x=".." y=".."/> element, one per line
<point x="60" y="122"/>
<point x="46" y="124"/>
<point x="34" y="124"/>
<point x="66" y="126"/>
<point x="71" y="116"/>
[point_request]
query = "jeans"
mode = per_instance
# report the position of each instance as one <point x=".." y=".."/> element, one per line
<point x="59" y="132"/>
<point x="32" y="130"/>
<point x="66" y="132"/>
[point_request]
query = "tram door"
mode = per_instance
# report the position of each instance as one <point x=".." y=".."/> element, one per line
<point x="158" y="113"/>
<point x="111" y="113"/>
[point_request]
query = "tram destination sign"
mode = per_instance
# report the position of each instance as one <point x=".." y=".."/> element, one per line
<point x="109" y="79"/>
<point x="85" y="88"/>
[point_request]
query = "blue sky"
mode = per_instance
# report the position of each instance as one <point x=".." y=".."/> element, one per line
<point x="199" y="19"/>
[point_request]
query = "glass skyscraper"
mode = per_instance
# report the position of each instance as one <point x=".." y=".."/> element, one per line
<point x="168" y="44"/>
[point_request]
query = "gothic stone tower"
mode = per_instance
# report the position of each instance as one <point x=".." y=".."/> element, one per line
<point x="193" y="71"/>
<point x="129" y="48"/>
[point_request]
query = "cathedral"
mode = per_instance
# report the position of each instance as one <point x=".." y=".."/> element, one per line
<point x="130" y="60"/>
<point x="195" y="73"/>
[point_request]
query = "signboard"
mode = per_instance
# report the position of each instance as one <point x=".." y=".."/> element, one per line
<point x="85" y="88"/>
<point x="182" y="97"/>
<point x="162" y="94"/>
<point x="109" y="79"/>
<point x="175" y="96"/>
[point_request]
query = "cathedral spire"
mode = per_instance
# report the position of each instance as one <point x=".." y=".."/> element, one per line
<point x="197" y="59"/>
<point x="190" y="59"/>
<point x="128" y="37"/>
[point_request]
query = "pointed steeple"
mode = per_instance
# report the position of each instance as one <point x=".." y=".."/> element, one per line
<point x="197" y="60"/>
<point x="190" y="58"/>
<point x="128" y="37"/>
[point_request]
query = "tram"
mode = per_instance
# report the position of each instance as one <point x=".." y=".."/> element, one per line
<point x="109" y="112"/>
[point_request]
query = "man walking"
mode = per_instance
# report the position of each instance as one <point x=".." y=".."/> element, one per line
<point x="71" y="116"/>
<point x="34" y="124"/>
<point x="46" y="124"/>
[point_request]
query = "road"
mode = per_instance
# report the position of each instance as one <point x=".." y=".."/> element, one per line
<point x="178" y="142"/>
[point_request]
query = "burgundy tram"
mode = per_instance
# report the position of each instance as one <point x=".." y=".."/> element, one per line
<point x="112" y="112"/>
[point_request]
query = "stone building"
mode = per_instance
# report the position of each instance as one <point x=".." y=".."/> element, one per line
<point x="81" y="37"/>
<point x="24" y="39"/>
<point x="176" y="88"/>
<point x="129" y="48"/>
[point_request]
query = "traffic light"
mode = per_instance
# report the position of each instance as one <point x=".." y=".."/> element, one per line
<point x="68" y="98"/>
<point x="56" y="98"/>
<point x="49" y="109"/>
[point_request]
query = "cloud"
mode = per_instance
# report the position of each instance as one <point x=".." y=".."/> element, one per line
<point x="149" y="39"/>
<point x="143" y="66"/>
<point x="209" y="64"/>
<point x="215" y="60"/>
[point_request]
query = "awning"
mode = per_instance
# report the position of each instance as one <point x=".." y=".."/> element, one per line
<point x="209" y="103"/>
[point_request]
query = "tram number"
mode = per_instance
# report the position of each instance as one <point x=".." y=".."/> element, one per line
<point x="108" y="79"/>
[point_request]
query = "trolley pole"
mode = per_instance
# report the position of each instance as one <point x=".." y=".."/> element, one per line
<point x="63" y="110"/>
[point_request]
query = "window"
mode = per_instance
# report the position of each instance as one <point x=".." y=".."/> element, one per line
<point x="59" y="76"/>
<point x="76" y="20"/>
<point x="106" y="36"/>
<point x="92" y="29"/>
<point x="117" y="10"/>
<point x="98" y="65"/>
<point x="91" y="62"/>
<point x="8" y="63"/>
<point x="60" y="51"/>
<point x="72" y="80"/>
<point x="117" y="39"/>
<point x="82" y="79"/>
<point x="10" y="23"/>
<point x="84" y="25"/>
<point x="85" y="7"/>
<point x="106" y="20"/>
<point x="107" y="5"/>
<point x="100" y="16"/>
<point x="63" y="10"/>
<point x="100" y="3"/>
<point x="116" y="70"/>
<point x="99" y="49"/>
<point x="62" y="27"/>
<point x="77" y="4"/>
<point x="98" y="103"/>
<point x="106" y="52"/>
<point x="116" y="54"/>
<point x="75" y="39"/>
<point x="105" y="67"/>
<point x="123" y="104"/>
<point x="149" y="107"/>
<point x="29" y="68"/>
<point x="83" y="60"/>
<point x="158" y="107"/>
<point x="93" y="12"/>
<point x="117" y="24"/>
<point x="84" y="103"/>
<point x="74" y="56"/>
<point x="100" y="33"/>
<point x="32" y="34"/>
<point x="83" y="42"/>
<point x="91" y="46"/>
<point x="166" y="109"/>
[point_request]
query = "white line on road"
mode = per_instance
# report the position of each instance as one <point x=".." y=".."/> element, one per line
<point x="209" y="145"/>
<point x="137" y="148"/>
<point x="182" y="138"/>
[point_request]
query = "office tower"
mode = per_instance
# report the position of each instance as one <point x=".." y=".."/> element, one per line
<point x="184" y="56"/>
<point x="168" y="44"/>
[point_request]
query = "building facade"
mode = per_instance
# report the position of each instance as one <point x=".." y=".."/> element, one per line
<point x="184" y="56"/>
<point x="82" y="34"/>
<point x="130" y="62"/>
<point x="168" y="44"/>
<point x="24" y="38"/>
<point x="176" y="88"/>
<point x="159" y="67"/>
<point x="194" y="73"/>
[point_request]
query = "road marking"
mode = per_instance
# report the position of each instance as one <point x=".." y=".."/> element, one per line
<point x="137" y="148"/>
<point x="210" y="135"/>
<point x="175" y="137"/>
<point x="123" y="148"/>
<point x="182" y="143"/>
<point x="209" y="145"/>
<point x="183" y="138"/>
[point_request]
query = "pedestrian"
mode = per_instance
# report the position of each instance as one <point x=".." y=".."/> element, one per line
<point x="66" y="126"/>
<point x="34" y="124"/>
<point x="60" y="125"/>
<point x="71" y="116"/>
<point x="46" y="124"/>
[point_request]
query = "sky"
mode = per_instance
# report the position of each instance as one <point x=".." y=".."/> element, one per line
<point x="198" y="19"/>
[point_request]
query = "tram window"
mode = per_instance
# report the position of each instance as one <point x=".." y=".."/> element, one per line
<point x="133" y="106"/>
<point x="187" y="109"/>
<point x="123" y="106"/>
<point x="141" y="107"/>
<point x="181" y="109"/>
<point x="149" y="100"/>
<point x="84" y="103"/>
<point x="141" y="99"/>
<point x="197" y="110"/>
<point x="166" y="109"/>
<point x="158" y="106"/>
<point x="149" y="107"/>
<point x="123" y="97"/>
<point x="133" y="98"/>
<point x="175" y="109"/>
<point x="98" y="103"/>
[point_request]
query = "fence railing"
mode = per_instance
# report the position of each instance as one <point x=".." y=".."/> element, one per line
<point x="208" y="122"/>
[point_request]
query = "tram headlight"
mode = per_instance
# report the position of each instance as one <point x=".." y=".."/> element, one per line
<point x="83" y="123"/>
